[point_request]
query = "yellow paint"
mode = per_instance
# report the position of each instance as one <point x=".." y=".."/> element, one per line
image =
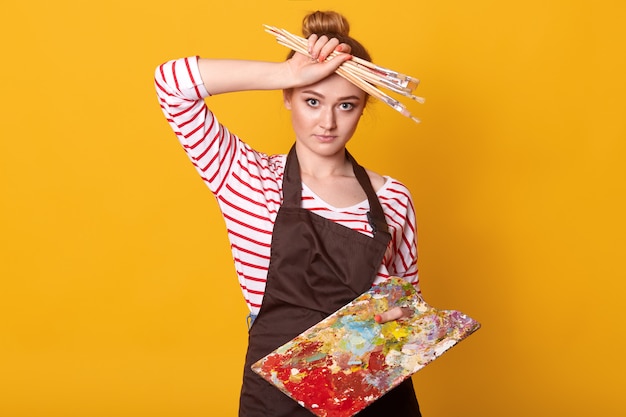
<point x="391" y="329"/>
<point x="400" y="333"/>
<point x="116" y="275"/>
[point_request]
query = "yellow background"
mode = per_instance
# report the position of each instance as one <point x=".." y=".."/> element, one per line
<point x="118" y="296"/>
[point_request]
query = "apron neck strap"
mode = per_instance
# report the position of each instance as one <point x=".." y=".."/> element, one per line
<point x="292" y="189"/>
<point x="292" y="182"/>
<point x="376" y="215"/>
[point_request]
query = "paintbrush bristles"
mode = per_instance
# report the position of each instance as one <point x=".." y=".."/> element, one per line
<point x="360" y="72"/>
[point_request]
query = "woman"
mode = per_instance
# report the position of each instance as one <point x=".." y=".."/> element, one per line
<point x="311" y="230"/>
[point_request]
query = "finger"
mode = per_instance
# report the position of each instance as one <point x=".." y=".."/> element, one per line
<point x="343" y="47"/>
<point x="317" y="47"/>
<point x="311" y="43"/>
<point x="328" y="49"/>
<point x="395" y="313"/>
<point x="336" y="61"/>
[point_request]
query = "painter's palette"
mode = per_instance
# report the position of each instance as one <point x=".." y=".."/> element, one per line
<point x="347" y="361"/>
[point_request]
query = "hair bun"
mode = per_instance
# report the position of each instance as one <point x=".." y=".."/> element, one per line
<point x="333" y="25"/>
<point x="327" y="22"/>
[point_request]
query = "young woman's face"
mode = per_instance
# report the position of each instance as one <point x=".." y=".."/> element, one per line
<point x="325" y="115"/>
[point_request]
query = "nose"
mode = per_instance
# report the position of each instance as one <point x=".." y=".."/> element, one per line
<point x="328" y="119"/>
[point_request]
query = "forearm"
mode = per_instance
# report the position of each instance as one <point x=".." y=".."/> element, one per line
<point x="227" y="75"/>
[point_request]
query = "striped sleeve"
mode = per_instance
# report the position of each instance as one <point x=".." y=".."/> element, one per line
<point x="209" y="145"/>
<point x="401" y="257"/>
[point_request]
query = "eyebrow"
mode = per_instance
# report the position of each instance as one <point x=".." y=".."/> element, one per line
<point x="315" y="93"/>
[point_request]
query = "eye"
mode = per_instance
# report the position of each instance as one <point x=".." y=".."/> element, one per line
<point x="313" y="102"/>
<point x="346" y="106"/>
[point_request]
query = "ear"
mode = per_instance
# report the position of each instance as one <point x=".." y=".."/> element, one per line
<point x="287" y="98"/>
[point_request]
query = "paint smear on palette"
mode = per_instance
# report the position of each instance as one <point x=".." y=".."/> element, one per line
<point x="348" y="360"/>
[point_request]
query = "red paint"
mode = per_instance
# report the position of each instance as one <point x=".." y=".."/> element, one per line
<point x="306" y="349"/>
<point x="376" y="362"/>
<point x="314" y="388"/>
<point x="337" y="394"/>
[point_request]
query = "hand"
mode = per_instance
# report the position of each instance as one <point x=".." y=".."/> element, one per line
<point x="395" y="313"/>
<point x="309" y="70"/>
<point x="321" y="47"/>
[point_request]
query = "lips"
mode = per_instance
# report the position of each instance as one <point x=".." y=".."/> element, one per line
<point x="325" y="138"/>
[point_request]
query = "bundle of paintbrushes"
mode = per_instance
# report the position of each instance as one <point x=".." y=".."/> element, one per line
<point x="361" y="73"/>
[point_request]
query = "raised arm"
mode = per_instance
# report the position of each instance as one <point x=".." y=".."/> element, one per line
<point x="183" y="84"/>
<point x="224" y="76"/>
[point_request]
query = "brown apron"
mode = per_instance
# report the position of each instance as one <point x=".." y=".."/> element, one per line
<point x="316" y="267"/>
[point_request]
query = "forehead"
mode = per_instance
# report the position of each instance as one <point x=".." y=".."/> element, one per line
<point x="333" y="87"/>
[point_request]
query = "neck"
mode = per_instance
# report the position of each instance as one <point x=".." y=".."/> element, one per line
<point x="321" y="166"/>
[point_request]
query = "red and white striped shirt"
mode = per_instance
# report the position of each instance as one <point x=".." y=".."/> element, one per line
<point x="248" y="186"/>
